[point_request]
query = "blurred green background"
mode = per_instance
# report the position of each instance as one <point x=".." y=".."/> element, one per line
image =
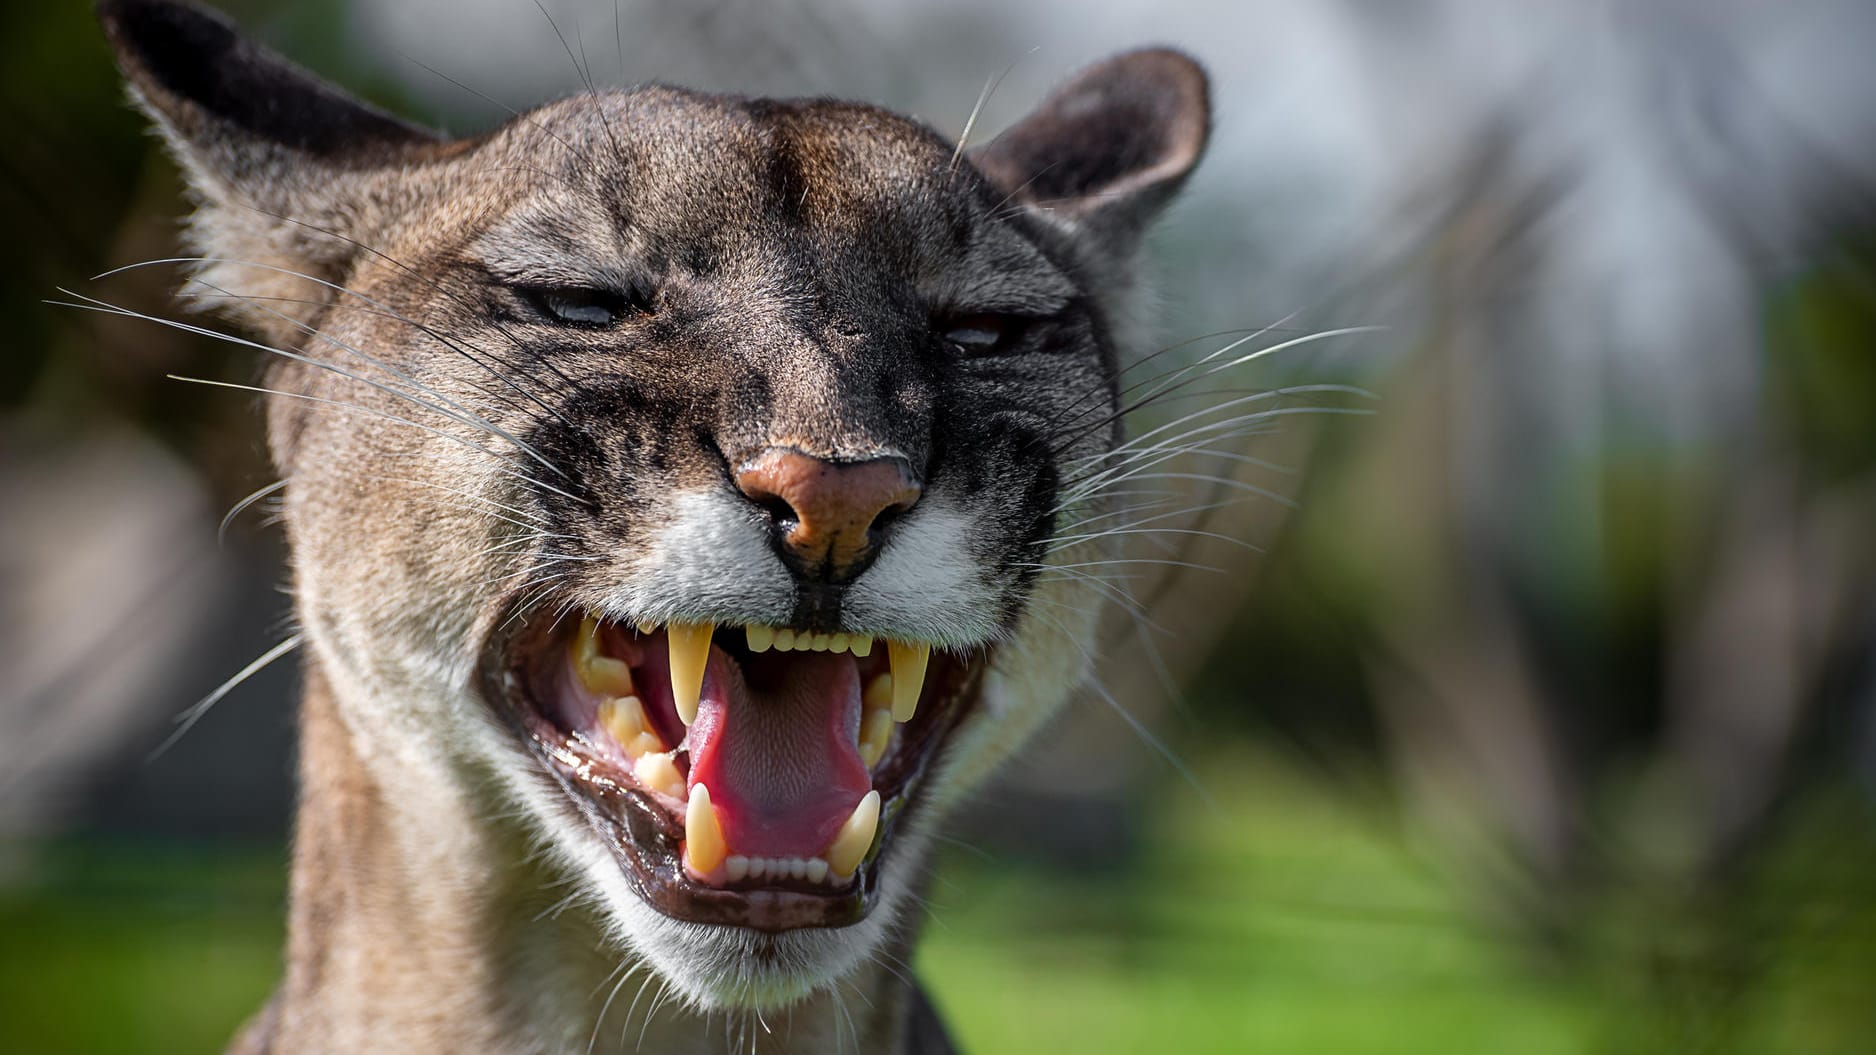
<point x="1540" y="718"/>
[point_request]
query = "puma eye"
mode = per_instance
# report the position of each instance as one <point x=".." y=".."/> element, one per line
<point x="591" y="308"/>
<point x="978" y="334"/>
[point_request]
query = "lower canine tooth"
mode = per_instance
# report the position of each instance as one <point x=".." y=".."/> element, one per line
<point x="908" y="676"/>
<point x="855" y="838"/>
<point x="690" y="653"/>
<point x="875" y="734"/>
<point x="878" y="694"/>
<point x="704" y="848"/>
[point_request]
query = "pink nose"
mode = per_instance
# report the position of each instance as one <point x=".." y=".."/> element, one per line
<point x="828" y="514"/>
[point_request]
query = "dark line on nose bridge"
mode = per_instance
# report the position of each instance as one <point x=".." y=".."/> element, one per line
<point x="787" y="180"/>
<point x="816" y="608"/>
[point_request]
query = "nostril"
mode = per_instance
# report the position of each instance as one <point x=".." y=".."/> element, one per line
<point x="777" y="509"/>
<point x="888" y="517"/>
<point x="829" y="515"/>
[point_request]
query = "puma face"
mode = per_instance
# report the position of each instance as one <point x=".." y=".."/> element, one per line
<point x="693" y="477"/>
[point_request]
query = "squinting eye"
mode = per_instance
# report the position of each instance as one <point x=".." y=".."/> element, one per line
<point x="593" y="308"/>
<point x="978" y="334"/>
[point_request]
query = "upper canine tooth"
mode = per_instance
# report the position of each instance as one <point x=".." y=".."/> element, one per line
<point x="704" y="848"/>
<point x="908" y="659"/>
<point x="761" y="638"/>
<point x="855" y="838"/>
<point x="586" y="642"/>
<point x="690" y="653"/>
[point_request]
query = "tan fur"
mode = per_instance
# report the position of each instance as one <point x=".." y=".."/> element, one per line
<point x="446" y="449"/>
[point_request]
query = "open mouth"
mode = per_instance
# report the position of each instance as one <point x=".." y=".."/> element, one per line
<point x="745" y="775"/>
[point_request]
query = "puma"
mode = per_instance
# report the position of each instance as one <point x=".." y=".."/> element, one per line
<point x="685" y="495"/>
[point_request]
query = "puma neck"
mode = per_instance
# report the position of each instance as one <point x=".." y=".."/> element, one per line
<point x="409" y="929"/>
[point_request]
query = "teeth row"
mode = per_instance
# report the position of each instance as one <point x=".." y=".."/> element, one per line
<point x="689" y="644"/>
<point x="813" y="869"/>
<point x="763" y="638"/>
<point x="705" y="849"/>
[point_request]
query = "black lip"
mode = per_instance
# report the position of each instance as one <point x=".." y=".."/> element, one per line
<point x="644" y="835"/>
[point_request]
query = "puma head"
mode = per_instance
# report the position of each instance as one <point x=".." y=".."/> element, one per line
<point x="696" y="478"/>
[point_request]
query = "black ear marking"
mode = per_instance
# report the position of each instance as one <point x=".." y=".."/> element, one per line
<point x="210" y="83"/>
<point x="1111" y="146"/>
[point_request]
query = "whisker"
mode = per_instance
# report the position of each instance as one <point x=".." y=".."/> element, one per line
<point x="187" y="719"/>
<point x="221" y="530"/>
<point x="374" y="412"/>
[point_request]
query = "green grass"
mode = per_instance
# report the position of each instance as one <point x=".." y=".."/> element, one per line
<point x="1279" y="922"/>
<point x="1284" y="920"/>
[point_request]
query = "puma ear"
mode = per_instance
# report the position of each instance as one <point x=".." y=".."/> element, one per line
<point x="278" y="159"/>
<point x="219" y="94"/>
<point x="1107" y="150"/>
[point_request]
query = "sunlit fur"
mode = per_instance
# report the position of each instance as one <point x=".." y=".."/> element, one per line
<point x="455" y="463"/>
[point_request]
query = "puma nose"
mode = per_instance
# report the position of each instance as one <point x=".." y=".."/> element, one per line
<point x="828" y="516"/>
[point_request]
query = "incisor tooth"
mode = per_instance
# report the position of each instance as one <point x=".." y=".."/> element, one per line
<point x="736" y="866"/>
<point x="821" y="642"/>
<point x="784" y="640"/>
<point x="690" y="653"/>
<point x="817" y="869"/>
<point x="908" y="676"/>
<point x="659" y="773"/>
<point x="875" y="734"/>
<point x="856" y="836"/>
<point x="704" y="848"/>
<point x="761" y="638"/>
<point x="837" y="643"/>
<point x="861" y="646"/>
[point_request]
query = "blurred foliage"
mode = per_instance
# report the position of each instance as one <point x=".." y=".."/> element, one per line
<point x="1285" y="918"/>
<point x="85" y="188"/>
<point x="1320" y="901"/>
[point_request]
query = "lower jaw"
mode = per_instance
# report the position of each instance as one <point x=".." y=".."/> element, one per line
<point x="645" y="837"/>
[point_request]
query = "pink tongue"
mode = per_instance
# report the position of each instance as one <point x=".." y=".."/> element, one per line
<point x="781" y="764"/>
